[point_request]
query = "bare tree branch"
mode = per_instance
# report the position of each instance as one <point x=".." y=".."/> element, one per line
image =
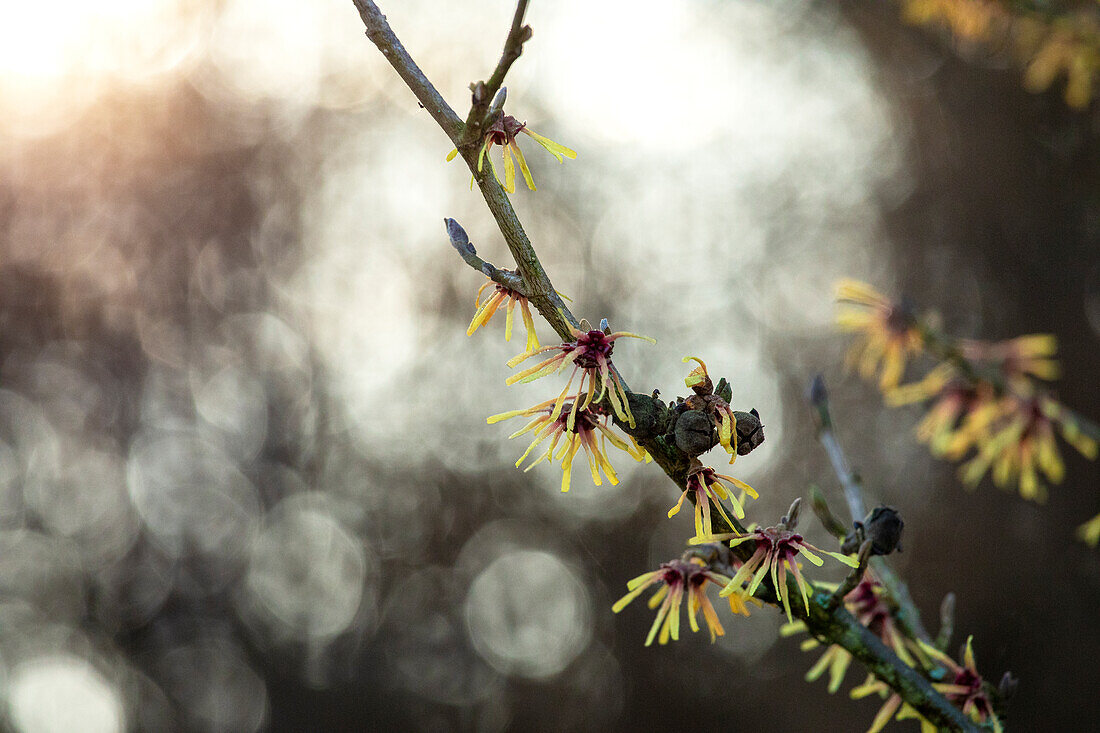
<point x="540" y="291"/>
<point x="382" y="36"/>
<point x="908" y="615"/>
<point x="484" y="92"/>
<point x="835" y="625"/>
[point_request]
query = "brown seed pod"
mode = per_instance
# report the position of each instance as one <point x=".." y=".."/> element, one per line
<point x="695" y="432"/>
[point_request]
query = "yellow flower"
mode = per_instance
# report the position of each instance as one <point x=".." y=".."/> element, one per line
<point x="889" y="330"/>
<point x="485" y="311"/>
<point x="966" y="19"/>
<point x="1022" y="443"/>
<point x="1019" y="357"/>
<point x="676" y="578"/>
<point x="959" y="415"/>
<point x="503" y="132"/>
<point x="1065" y="51"/>
<point x="709" y="491"/>
<point x="892" y="705"/>
<point x="574" y="430"/>
<point x="965" y="688"/>
<point x="590" y="354"/>
<point x="777" y="550"/>
<point x="836" y="659"/>
<point x="867" y="604"/>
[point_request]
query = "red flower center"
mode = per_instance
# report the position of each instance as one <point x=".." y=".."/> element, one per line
<point x="585" y="421"/>
<point x="592" y="346"/>
<point x="900" y="318"/>
<point x="504" y="130"/>
<point x="782" y="543"/>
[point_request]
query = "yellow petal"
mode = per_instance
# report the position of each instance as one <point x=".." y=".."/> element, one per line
<point x="523" y="167"/>
<point x="556" y="149"/>
<point x="509" y="170"/>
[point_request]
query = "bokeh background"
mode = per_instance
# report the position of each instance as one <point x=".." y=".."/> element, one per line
<point x="246" y="481"/>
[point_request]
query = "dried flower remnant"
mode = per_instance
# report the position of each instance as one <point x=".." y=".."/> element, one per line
<point x="503" y="132"/>
<point x="716" y="408"/>
<point x="590" y="354"/>
<point x="1021" y="443"/>
<point x="485" y="311"/>
<point x="675" y="578"/>
<point x="966" y="688"/>
<point x="889" y="331"/>
<point x="709" y="490"/>
<point x="579" y="429"/>
<point x="777" y="551"/>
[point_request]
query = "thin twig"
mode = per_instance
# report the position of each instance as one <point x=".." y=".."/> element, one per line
<point x="461" y="242"/>
<point x="485" y="92"/>
<point x="853" y="493"/>
<point x="540" y="291"/>
<point x="382" y="36"/>
<point x="854" y="577"/>
<point x="908" y="615"/>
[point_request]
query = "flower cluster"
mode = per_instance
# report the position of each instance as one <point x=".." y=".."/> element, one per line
<point x="502" y="132"/>
<point x="962" y="686"/>
<point x="1010" y="426"/>
<point x="868" y="603"/>
<point x="677" y="578"/>
<point x="1019" y="442"/>
<point x="983" y="399"/>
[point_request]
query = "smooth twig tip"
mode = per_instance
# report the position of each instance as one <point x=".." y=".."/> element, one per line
<point x="497" y="105"/>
